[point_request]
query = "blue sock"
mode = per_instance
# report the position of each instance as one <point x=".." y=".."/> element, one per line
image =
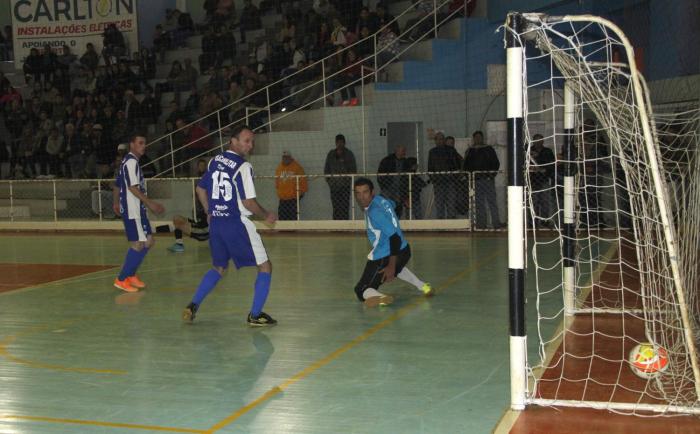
<point x="262" y="288"/>
<point x="131" y="263"/>
<point x="208" y="283"/>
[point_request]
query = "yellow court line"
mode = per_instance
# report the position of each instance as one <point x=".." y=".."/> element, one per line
<point x="337" y="353"/>
<point x="103" y="424"/>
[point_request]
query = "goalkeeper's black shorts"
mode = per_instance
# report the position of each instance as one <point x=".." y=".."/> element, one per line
<point x="372" y="278"/>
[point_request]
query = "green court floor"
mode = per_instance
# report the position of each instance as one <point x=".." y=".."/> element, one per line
<point x="78" y="356"/>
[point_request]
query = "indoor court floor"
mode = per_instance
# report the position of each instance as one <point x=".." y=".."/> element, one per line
<point x="78" y="356"/>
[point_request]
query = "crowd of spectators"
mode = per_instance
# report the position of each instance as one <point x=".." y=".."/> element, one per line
<point x="75" y="110"/>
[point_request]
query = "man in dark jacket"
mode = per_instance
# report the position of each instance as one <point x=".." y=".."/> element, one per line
<point x="340" y="161"/>
<point x="394" y="187"/>
<point x="443" y="158"/>
<point x="482" y="159"/>
<point x="541" y="175"/>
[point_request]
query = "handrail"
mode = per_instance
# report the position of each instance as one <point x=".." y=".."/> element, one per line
<point x="281" y="80"/>
<point x="436" y="8"/>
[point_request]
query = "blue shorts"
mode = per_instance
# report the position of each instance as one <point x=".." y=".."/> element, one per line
<point x="137" y="229"/>
<point x="235" y="239"/>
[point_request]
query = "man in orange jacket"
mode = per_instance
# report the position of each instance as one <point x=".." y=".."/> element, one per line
<point x="286" y="183"/>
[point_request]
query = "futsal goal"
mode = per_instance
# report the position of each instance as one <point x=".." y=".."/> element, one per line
<point x="618" y="267"/>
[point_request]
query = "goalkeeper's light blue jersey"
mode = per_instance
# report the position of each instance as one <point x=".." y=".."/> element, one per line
<point x="382" y="223"/>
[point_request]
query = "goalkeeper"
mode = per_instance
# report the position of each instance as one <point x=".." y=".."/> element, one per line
<point x="390" y="252"/>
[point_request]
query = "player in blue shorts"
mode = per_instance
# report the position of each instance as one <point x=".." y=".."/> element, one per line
<point x="227" y="192"/>
<point x="390" y="250"/>
<point x="130" y="202"/>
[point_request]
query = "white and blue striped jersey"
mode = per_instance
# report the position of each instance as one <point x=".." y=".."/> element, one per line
<point x="130" y="175"/>
<point x="228" y="181"/>
<point x="382" y="223"/>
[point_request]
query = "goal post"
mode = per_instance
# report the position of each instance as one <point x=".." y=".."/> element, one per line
<point x="611" y="263"/>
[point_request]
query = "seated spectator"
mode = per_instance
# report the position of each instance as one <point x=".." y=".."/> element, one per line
<point x="9" y="95"/>
<point x="62" y="82"/>
<point x="103" y="150"/>
<point x="48" y="64"/>
<point x="192" y="104"/>
<point x="114" y="45"/>
<point x="90" y="59"/>
<point x="52" y="145"/>
<point x="175" y="113"/>
<point x="177" y="82"/>
<point x="387" y="47"/>
<point x="323" y="43"/>
<point x="6" y="44"/>
<point x="211" y="102"/>
<point x="210" y="45"/>
<point x="72" y="155"/>
<point x="132" y="111"/>
<point x="365" y="46"/>
<point x="183" y="30"/>
<point x="161" y="42"/>
<point x="368" y="20"/>
<point x="150" y="109"/>
<point x="288" y="30"/>
<point x="250" y="18"/>
<point x="66" y="60"/>
<point x="32" y="67"/>
<point x="190" y="72"/>
<point x="384" y="18"/>
<point x="347" y="79"/>
<point x="339" y="34"/>
<point x="196" y="140"/>
<point x="126" y="79"/>
<point x="418" y="27"/>
<point x="226" y="44"/>
<point x="26" y="147"/>
<point x="217" y="82"/>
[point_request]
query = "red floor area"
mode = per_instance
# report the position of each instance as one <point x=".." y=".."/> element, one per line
<point x="16" y="276"/>
<point x="588" y="365"/>
<point x="560" y="420"/>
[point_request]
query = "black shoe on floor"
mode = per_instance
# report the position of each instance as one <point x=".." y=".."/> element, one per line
<point x="262" y="320"/>
<point x="189" y="312"/>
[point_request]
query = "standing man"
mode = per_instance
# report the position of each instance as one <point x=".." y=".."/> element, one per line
<point x="482" y="159"/>
<point x="390" y="252"/>
<point x="394" y="187"/>
<point x="340" y="161"/>
<point x="443" y="158"/>
<point x="131" y="201"/>
<point x="286" y="184"/>
<point x="541" y="177"/>
<point x="227" y="192"/>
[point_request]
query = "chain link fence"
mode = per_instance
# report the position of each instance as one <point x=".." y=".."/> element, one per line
<point x="417" y="196"/>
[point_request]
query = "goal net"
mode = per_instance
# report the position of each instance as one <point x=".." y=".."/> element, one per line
<point x="614" y="262"/>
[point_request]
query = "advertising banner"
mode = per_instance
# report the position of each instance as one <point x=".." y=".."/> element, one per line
<point x="74" y="23"/>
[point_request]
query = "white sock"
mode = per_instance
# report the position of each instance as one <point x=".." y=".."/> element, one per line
<point x="371" y="292"/>
<point x="407" y="276"/>
<point x="178" y="241"/>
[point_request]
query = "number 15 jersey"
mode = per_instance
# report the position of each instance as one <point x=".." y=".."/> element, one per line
<point x="228" y="181"/>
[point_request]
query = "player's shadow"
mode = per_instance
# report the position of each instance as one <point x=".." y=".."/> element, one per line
<point x="240" y="360"/>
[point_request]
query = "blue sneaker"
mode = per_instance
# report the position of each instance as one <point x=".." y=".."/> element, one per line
<point x="177" y="248"/>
